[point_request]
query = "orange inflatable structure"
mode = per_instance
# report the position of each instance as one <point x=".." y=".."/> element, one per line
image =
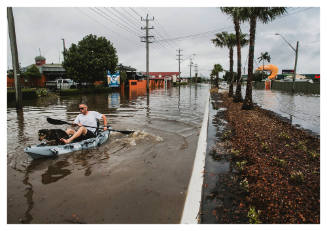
<point x="272" y="68"/>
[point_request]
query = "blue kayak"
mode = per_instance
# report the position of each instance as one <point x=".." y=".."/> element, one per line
<point x="41" y="150"/>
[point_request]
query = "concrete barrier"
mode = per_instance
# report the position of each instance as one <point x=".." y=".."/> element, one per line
<point x="193" y="197"/>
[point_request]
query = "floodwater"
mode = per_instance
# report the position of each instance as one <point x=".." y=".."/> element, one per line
<point x="137" y="178"/>
<point x="303" y="110"/>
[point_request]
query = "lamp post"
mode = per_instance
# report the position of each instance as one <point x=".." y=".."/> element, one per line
<point x="296" y="54"/>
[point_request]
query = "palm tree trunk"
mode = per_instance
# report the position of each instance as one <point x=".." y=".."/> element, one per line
<point x="238" y="93"/>
<point x="231" y="72"/>
<point x="248" y="104"/>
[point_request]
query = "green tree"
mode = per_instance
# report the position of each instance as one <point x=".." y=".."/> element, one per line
<point x="89" y="60"/>
<point x="252" y="14"/>
<point x="215" y="73"/>
<point x="224" y="39"/>
<point x="235" y="13"/>
<point x="32" y="73"/>
<point x="264" y="56"/>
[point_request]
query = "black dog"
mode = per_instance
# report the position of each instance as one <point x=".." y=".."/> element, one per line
<point x="52" y="136"/>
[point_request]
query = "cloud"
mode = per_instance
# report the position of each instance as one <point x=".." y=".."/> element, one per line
<point x="45" y="28"/>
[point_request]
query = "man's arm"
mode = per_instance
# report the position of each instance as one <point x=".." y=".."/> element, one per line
<point x="104" y="122"/>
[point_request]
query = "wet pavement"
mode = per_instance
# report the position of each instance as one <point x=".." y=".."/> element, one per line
<point x="138" y="178"/>
<point x="221" y="192"/>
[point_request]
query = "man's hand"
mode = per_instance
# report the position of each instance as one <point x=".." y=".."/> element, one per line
<point x="105" y="128"/>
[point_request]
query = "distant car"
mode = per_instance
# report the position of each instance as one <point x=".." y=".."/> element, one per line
<point x="224" y="85"/>
<point x="61" y="84"/>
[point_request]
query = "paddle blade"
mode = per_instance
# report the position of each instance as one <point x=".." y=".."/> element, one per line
<point x="56" y="122"/>
<point x="124" y="132"/>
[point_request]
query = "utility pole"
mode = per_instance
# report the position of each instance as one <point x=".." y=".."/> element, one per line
<point x="179" y="64"/>
<point x="295" y="65"/>
<point x="14" y="55"/>
<point x="196" y="73"/>
<point x="64" y="47"/>
<point x="146" y="37"/>
<point x="296" y="50"/>
<point x="191" y="63"/>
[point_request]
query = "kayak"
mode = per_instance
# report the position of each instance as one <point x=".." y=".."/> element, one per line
<point x="41" y="150"/>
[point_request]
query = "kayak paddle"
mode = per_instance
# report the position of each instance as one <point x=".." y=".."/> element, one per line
<point x="59" y="122"/>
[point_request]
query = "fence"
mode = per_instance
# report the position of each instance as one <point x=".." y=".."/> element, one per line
<point x="299" y="87"/>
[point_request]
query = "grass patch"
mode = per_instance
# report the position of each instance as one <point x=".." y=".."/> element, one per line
<point x="253" y="216"/>
<point x="280" y="162"/>
<point x="297" y="177"/>
<point x="284" y="136"/>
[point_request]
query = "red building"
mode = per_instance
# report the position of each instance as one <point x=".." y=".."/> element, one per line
<point x="48" y="72"/>
<point x="163" y="75"/>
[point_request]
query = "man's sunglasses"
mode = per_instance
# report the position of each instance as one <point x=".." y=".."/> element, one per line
<point x="81" y="108"/>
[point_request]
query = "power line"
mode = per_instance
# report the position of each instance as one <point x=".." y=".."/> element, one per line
<point x="124" y="20"/>
<point x="170" y="43"/>
<point x="131" y="22"/>
<point x="113" y="33"/>
<point x="117" y="23"/>
<point x="195" y="35"/>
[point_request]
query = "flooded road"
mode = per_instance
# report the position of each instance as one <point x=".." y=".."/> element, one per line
<point x="138" y="178"/>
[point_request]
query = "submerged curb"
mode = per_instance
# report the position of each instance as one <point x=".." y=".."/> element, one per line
<point x="194" y="191"/>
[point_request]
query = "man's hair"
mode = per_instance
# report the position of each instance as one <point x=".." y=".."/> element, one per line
<point x="83" y="104"/>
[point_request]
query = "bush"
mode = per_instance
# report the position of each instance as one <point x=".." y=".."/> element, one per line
<point x="245" y="185"/>
<point x="41" y="92"/>
<point x="258" y="76"/>
<point x="241" y="164"/>
<point x="253" y="216"/>
<point x="297" y="177"/>
<point x="283" y="136"/>
<point x="280" y="162"/>
<point x="314" y="155"/>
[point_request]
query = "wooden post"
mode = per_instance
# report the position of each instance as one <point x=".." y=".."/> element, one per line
<point x="14" y="55"/>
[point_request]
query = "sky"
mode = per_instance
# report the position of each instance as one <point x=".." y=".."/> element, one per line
<point x="40" y="30"/>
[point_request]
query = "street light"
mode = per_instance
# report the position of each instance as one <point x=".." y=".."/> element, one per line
<point x="296" y="53"/>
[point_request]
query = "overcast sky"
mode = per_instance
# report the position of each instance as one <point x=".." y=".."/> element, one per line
<point x="190" y="29"/>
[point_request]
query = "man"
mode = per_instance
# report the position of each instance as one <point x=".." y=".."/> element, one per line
<point x="87" y="122"/>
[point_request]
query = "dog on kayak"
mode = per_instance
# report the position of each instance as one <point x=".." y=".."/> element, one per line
<point x="52" y="136"/>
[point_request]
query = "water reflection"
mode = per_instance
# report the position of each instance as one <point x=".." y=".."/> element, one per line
<point x="29" y="198"/>
<point x="55" y="172"/>
<point x="114" y="100"/>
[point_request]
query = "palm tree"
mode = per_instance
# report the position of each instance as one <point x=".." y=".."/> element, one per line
<point x="215" y="72"/>
<point x="238" y="94"/>
<point x="224" y="39"/>
<point x="262" y="58"/>
<point x="252" y="14"/>
<point x="241" y="41"/>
